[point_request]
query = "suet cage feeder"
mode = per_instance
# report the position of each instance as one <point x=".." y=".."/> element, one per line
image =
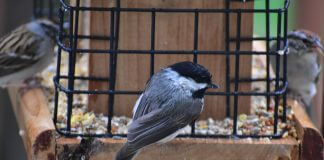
<point x="130" y="40"/>
<point x="127" y="42"/>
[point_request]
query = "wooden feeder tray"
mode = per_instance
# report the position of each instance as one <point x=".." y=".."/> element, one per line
<point x="42" y="142"/>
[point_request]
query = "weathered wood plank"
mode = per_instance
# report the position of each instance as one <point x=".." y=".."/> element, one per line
<point x="312" y="143"/>
<point x="35" y="123"/>
<point x="193" y="149"/>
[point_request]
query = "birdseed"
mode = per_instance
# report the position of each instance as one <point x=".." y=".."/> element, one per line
<point x="260" y="122"/>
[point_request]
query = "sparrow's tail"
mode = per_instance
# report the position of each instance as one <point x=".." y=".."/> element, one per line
<point x="127" y="152"/>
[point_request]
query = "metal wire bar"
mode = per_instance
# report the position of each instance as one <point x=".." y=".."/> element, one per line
<point x="227" y="59"/>
<point x="63" y="89"/>
<point x="285" y="64"/>
<point x="237" y="73"/>
<point x="231" y="39"/>
<point x="63" y="132"/>
<point x="152" y="42"/>
<point x="249" y="80"/>
<point x="250" y="39"/>
<point x="72" y="60"/>
<point x="195" y="45"/>
<point x="112" y="71"/>
<point x="90" y="37"/>
<point x="92" y="78"/>
<point x="103" y="51"/>
<point x="71" y="77"/>
<point x="177" y="10"/>
<point x="58" y="68"/>
<point x="195" y="56"/>
<point x="267" y="6"/>
<point x="275" y="127"/>
<point x="114" y="32"/>
<point x="218" y="10"/>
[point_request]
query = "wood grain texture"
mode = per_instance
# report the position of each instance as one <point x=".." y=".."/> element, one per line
<point x="174" y="31"/>
<point x="312" y="142"/>
<point x="35" y="123"/>
<point x="99" y="63"/>
<point x="190" y="149"/>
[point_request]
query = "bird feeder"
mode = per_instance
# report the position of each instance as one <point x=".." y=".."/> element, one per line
<point x="127" y="42"/>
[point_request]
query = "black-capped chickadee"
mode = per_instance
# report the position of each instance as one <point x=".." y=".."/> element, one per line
<point x="172" y="99"/>
<point x="26" y="51"/>
<point x="303" y="64"/>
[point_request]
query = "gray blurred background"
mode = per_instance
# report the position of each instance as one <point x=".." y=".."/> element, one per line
<point x="12" y="14"/>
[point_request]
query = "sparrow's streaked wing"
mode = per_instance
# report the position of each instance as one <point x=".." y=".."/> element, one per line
<point x="13" y="55"/>
<point x="319" y="65"/>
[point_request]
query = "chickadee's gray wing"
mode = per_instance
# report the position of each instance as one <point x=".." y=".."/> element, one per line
<point x="156" y="125"/>
<point x="151" y="128"/>
<point x="143" y="106"/>
<point x="158" y="93"/>
<point x="162" y="122"/>
<point x="18" y="50"/>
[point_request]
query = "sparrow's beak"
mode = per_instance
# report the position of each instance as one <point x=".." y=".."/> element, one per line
<point x="211" y="85"/>
<point x="319" y="47"/>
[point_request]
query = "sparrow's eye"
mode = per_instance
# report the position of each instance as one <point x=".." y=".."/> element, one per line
<point x="307" y="42"/>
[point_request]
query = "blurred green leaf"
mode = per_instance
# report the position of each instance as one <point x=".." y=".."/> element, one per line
<point x="260" y="18"/>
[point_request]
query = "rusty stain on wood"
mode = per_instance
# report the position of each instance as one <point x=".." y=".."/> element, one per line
<point x="50" y="156"/>
<point x="43" y="141"/>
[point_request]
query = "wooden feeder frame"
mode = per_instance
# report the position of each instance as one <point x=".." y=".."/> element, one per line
<point x="42" y="142"/>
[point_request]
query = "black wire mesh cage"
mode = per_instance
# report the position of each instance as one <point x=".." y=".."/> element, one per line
<point x="68" y="43"/>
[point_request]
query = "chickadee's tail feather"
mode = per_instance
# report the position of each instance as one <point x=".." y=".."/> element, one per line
<point x="126" y="152"/>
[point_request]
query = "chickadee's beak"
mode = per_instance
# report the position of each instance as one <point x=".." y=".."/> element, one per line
<point x="211" y="85"/>
<point x="319" y="47"/>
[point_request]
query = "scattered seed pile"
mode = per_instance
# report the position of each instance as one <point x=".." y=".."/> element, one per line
<point x="260" y="122"/>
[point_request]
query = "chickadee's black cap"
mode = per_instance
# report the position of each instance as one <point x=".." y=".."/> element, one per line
<point x="195" y="71"/>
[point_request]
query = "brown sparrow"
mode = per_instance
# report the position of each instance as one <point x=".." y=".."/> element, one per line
<point x="26" y="50"/>
<point x="303" y="64"/>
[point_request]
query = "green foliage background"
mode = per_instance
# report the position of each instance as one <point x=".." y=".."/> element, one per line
<point x="259" y="18"/>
